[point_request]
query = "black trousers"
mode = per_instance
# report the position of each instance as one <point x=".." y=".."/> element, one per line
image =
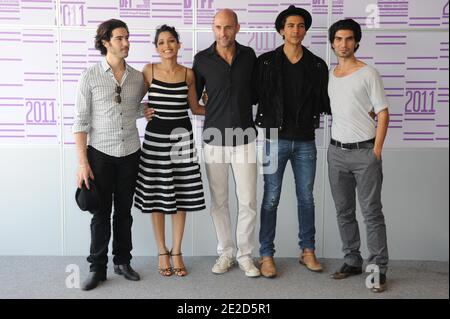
<point x="115" y="178"/>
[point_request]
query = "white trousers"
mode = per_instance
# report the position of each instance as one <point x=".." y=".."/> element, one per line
<point x="242" y="159"/>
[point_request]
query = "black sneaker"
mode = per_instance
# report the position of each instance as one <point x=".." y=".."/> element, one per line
<point x="346" y="271"/>
<point x="382" y="286"/>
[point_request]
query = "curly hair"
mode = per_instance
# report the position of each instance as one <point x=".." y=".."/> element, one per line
<point x="104" y="33"/>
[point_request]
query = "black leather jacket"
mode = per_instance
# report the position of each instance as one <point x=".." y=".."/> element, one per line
<point x="268" y="91"/>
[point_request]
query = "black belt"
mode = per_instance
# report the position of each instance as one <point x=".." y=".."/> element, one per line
<point x="354" y="146"/>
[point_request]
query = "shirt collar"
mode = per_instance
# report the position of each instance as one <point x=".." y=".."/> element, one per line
<point x="106" y="67"/>
<point x="212" y="48"/>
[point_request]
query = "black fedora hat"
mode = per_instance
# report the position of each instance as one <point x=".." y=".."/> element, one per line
<point x="88" y="199"/>
<point x="293" y="11"/>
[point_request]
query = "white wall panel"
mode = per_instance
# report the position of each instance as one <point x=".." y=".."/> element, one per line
<point x="46" y="44"/>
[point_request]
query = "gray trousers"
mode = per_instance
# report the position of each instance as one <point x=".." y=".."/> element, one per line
<point x="348" y="171"/>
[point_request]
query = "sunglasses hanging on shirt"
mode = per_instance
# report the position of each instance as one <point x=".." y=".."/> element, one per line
<point x="118" y="98"/>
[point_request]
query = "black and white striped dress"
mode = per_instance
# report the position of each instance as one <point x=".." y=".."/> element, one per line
<point x="169" y="177"/>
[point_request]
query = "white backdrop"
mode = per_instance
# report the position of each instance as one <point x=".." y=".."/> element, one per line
<point x="46" y="44"/>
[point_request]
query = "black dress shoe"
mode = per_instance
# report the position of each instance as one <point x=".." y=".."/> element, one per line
<point x="127" y="272"/>
<point x="92" y="281"/>
<point x="346" y="271"/>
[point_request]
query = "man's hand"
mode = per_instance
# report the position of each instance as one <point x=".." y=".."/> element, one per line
<point x="377" y="153"/>
<point x="149" y="112"/>
<point x="383" y="122"/>
<point x="83" y="174"/>
<point x="205" y="98"/>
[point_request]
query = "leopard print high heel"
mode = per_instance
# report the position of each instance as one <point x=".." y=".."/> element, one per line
<point x="165" y="272"/>
<point x="179" y="271"/>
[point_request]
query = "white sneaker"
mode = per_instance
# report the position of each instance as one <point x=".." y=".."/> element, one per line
<point x="249" y="267"/>
<point x="222" y="265"/>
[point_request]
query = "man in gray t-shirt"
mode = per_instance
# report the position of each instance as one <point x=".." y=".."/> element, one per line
<point x="354" y="156"/>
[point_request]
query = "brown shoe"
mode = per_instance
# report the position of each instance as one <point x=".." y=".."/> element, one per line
<point x="382" y="286"/>
<point x="268" y="268"/>
<point x="346" y="271"/>
<point x="308" y="258"/>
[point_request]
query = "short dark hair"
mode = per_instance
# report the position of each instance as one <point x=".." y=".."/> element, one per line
<point x="104" y="33"/>
<point x="166" y="28"/>
<point x="347" y="24"/>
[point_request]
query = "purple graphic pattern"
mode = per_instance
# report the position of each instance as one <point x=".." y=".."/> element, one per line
<point x="58" y="45"/>
<point x="29" y="108"/>
<point x="138" y="13"/>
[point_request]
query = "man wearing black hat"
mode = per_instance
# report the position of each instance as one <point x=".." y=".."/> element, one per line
<point x="291" y="89"/>
<point x="107" y="105"/>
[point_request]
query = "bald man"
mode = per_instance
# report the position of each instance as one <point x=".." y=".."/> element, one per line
<point x="225" y="71"/>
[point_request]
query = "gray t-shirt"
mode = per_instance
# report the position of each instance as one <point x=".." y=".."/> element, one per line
<point x="352" y="97"/>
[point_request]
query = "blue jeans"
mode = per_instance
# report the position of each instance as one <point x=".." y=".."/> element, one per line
<point x="303" y="157"/>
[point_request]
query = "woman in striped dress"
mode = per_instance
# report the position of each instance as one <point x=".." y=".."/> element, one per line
<point x="169" y="180"/>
